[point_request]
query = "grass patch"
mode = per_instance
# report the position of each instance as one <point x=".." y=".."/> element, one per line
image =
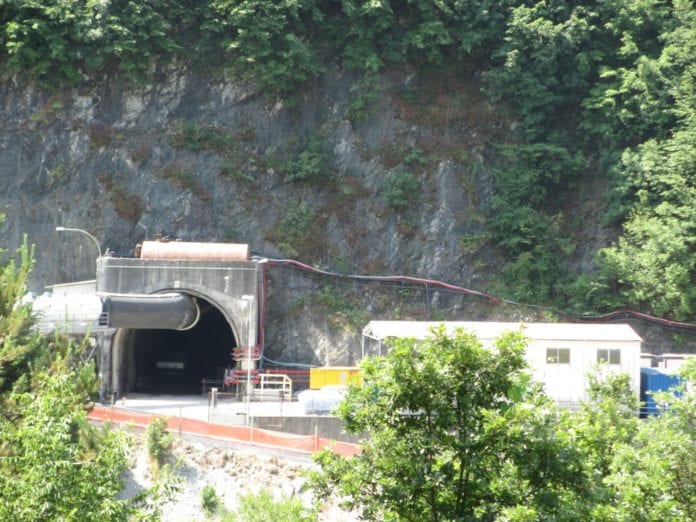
<point x="126" y="204"/>
<point x="298" y="231"/>
<point x="180" y="176"/>
<point x="196" y="137"/>
<point x="341" y="310"/>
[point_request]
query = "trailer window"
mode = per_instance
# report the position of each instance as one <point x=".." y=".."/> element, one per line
<point x="608" y="356"/>
<point x="558" y="356"/>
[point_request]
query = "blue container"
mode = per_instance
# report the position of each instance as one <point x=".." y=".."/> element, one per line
<point x="652" y="380"/>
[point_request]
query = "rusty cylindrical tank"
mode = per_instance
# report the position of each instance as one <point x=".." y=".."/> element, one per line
<point x="191" y="250"/>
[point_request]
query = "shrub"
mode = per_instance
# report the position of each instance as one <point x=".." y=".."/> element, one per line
<point x="416" y="157"/>
<point x="126" y="204"/>
<point x="233" y="170"/>
<point x="197" y="137"/>
<point x="209" y="500"/>
<point x="400" y="188"/>
<point x="340" y="308"/>
<point x="180" y="176"/>
<point x="263" y="506"/>
<point x="102" y="135"/>
<point x="297" y="230"/>
<point x="364" y="97"/>
<point x="311" y="164"/>
<point x="159" y="440"/>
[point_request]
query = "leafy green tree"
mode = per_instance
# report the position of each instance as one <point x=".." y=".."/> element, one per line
<point x="455" y="432"/>
<point x="54" y="465"/>
<point x="652" y="475"/>
<point x="605" y="422"/>
<point x="526" y="227"/>
<point x="268" y="38"/>
<point x="63" y="40"/>
<point x="19" y="343"/>
<point x="623" y="73"/>
<point x="653" y="264"/>
<point x="629" y="99"/>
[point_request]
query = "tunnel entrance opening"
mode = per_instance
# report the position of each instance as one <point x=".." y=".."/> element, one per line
<point x="176" y="362"/>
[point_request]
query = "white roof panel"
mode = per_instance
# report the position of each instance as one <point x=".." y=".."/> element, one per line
<point x="489" y="330"/>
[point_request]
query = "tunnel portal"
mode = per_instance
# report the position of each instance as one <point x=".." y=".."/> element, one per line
<point x="174" y="361"/>
<point x="151" y="347"/>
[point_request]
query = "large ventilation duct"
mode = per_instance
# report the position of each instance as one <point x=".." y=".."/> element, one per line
<point x="170" y="311"/>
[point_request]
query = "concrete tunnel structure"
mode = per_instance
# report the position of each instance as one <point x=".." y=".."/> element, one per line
<point x="175" y="315"/>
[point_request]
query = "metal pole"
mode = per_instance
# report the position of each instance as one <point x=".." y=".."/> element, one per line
<point x="250" y="342"/>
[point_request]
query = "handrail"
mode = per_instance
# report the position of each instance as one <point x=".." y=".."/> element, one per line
<point x="274" y="386"/>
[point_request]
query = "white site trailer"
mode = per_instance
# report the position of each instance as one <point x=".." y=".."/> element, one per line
<point x="560" y="355"/>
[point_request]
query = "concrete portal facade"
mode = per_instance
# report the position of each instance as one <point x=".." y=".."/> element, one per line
<point x="166" y="361"/>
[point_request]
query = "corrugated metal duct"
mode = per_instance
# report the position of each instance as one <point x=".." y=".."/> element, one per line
<point x="171" y="311"/>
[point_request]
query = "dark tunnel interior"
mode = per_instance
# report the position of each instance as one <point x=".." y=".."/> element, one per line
<point x="175" y="362"/>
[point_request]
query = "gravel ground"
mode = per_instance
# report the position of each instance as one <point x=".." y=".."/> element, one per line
<point x="231" y="471"/>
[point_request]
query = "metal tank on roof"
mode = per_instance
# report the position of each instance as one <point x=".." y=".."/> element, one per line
<point x="192" y="250"/>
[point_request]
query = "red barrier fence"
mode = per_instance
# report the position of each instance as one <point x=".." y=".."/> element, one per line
<point x="240" y="434"/>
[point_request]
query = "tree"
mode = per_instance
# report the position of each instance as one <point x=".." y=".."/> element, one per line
<point x="19" y="344"/>
<point x="54" y="465"/>
<point x="456" y="431"/>
<point x="653" y="476"/>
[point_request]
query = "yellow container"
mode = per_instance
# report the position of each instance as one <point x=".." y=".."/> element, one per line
<point x="320" y="377"/>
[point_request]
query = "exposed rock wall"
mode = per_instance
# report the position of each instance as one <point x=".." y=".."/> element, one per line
<point x="206" y="159"/>
<point x="210" y="160"/>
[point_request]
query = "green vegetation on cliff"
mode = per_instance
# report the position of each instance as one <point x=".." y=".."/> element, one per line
<point x="600" y="90"/>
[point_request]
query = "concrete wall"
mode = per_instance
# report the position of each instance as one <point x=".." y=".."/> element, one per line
<point x="322" y="425"/>
<point x="222" y="283"/>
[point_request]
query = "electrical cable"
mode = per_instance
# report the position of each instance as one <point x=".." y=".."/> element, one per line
<point x="418" y="282"/>
<point x="395" y="278"/>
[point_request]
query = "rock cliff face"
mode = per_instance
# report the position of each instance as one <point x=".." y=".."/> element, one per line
<point x="392" y="180"/>
<point x="388" y="189"/>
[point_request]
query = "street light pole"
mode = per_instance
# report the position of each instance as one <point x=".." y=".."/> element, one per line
<point x="79" y="230"/>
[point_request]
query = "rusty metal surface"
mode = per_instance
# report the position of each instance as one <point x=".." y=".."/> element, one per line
<point x="190" y="250"/>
